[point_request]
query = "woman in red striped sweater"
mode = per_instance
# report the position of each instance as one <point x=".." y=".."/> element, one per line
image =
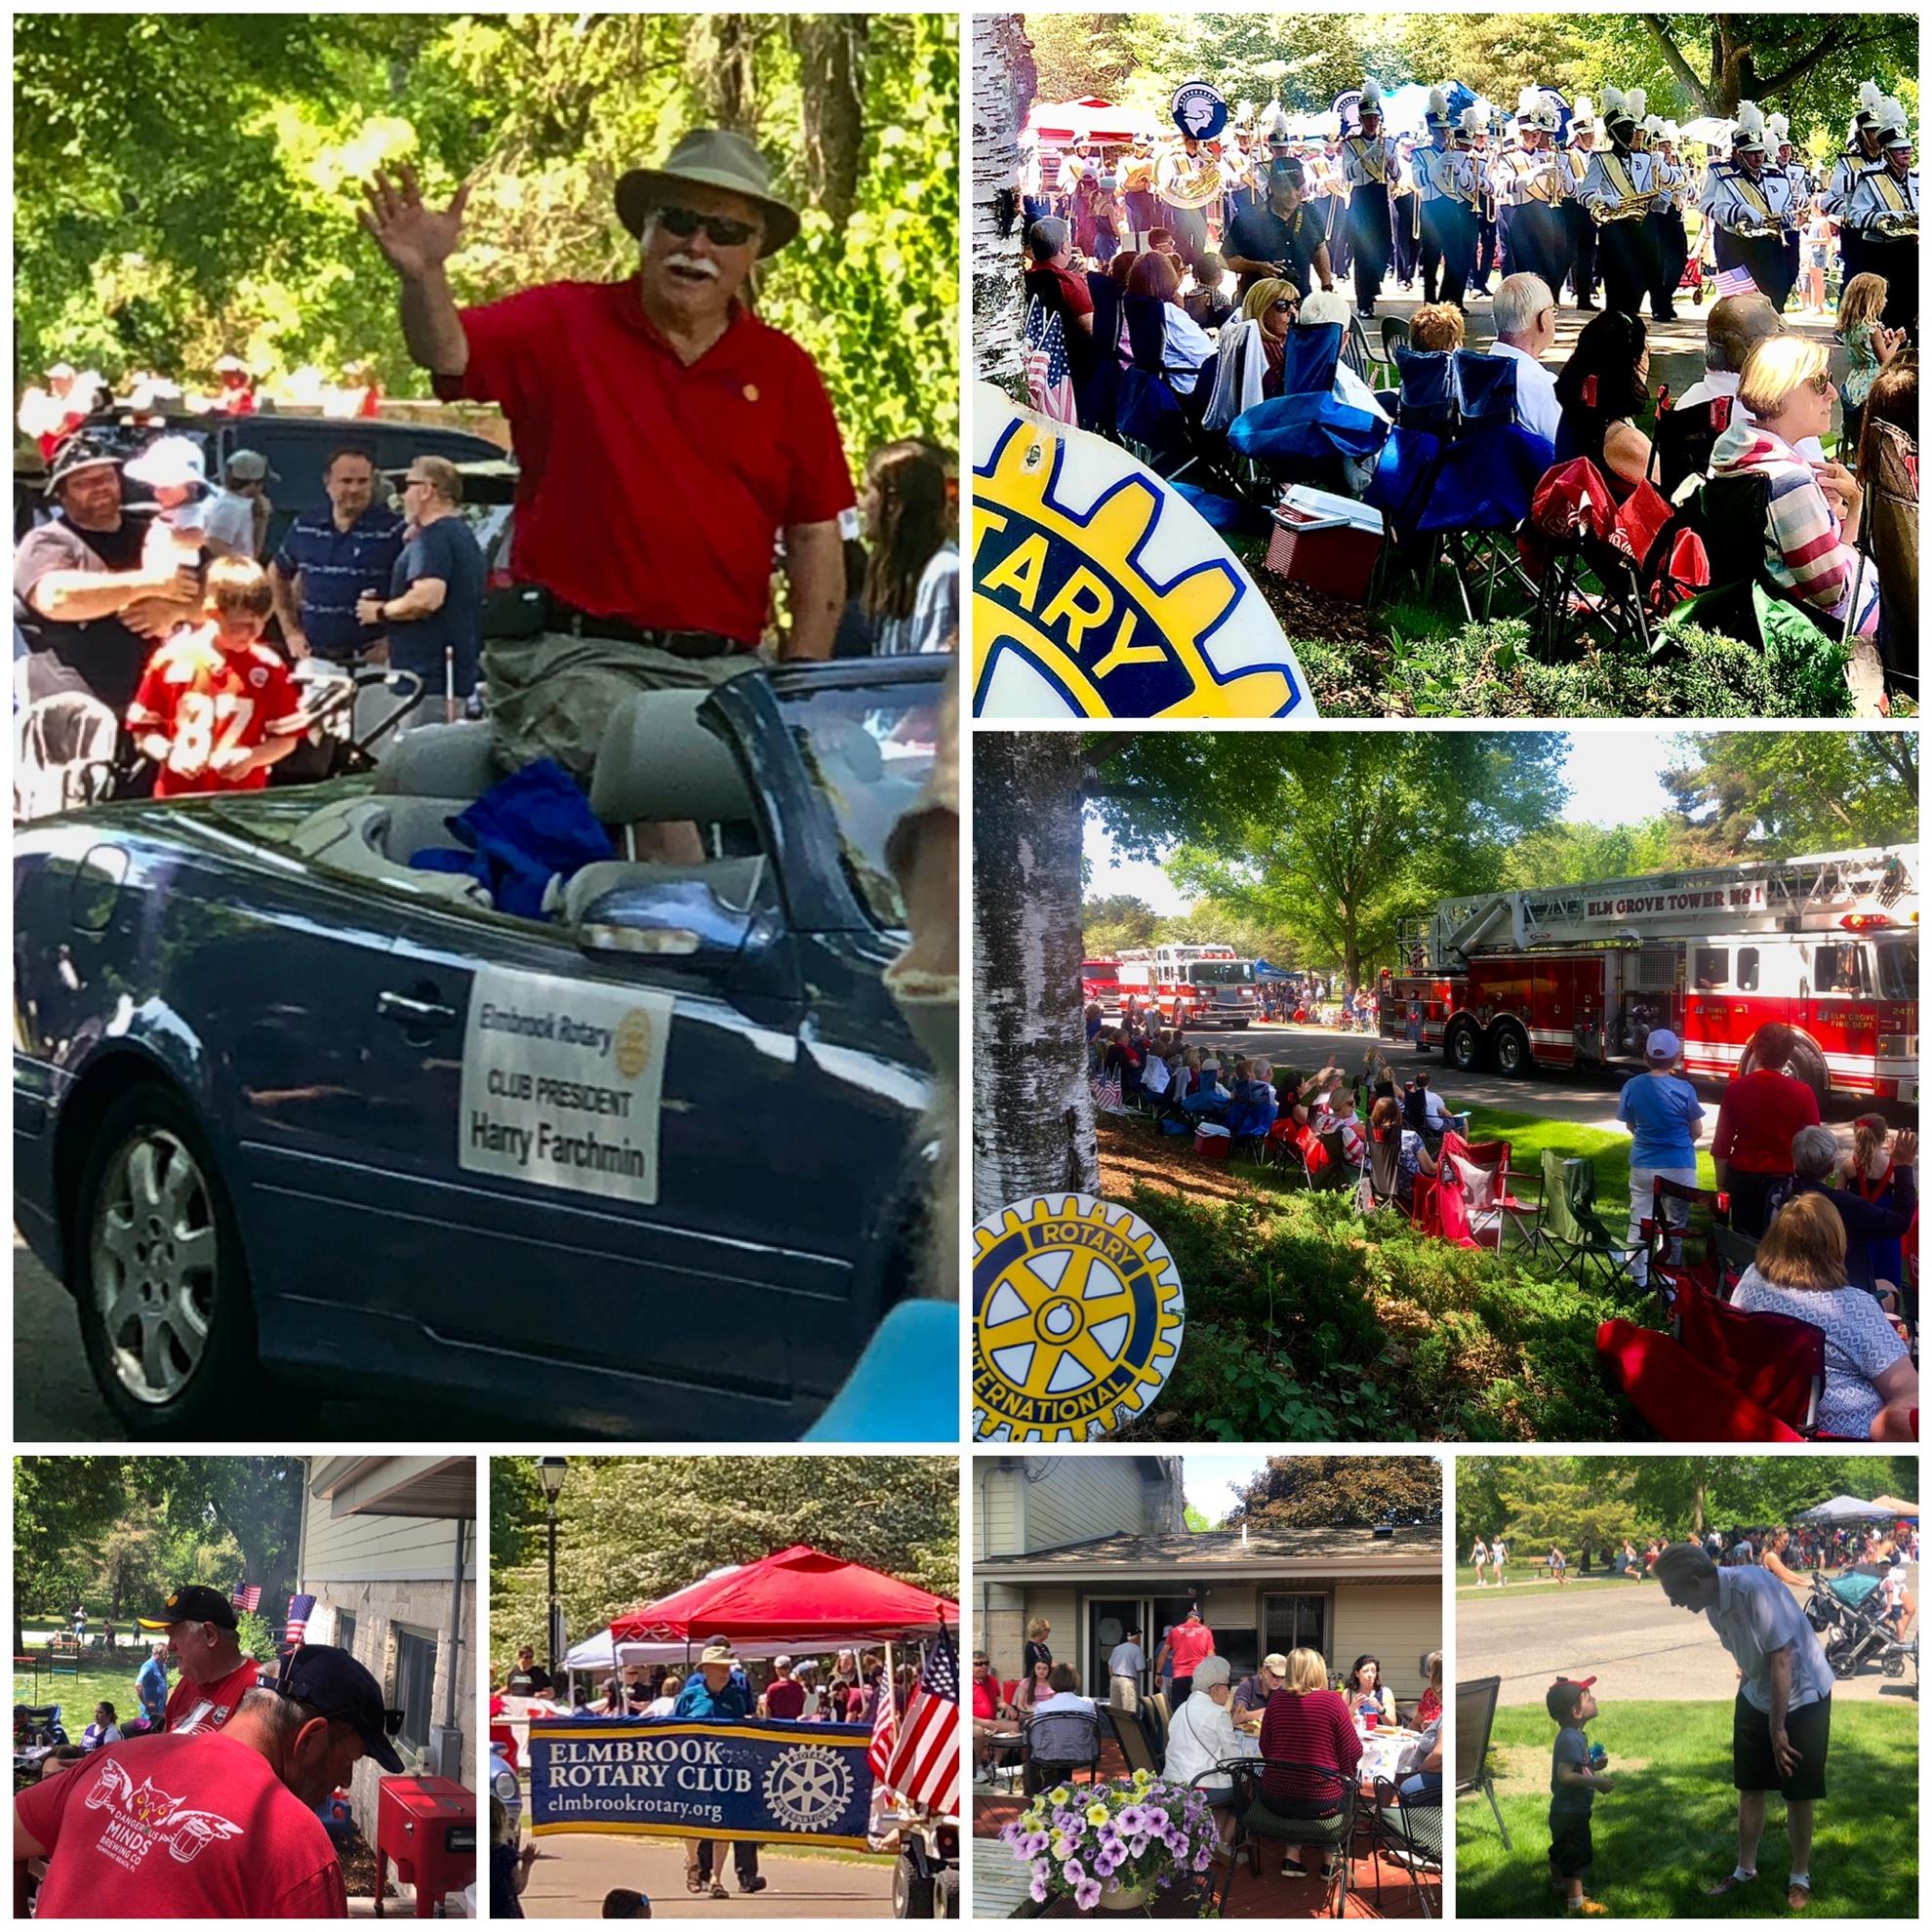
<point x="1306" y="1723"/>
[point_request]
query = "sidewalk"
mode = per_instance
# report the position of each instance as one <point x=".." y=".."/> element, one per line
<point x="574" y="1871"/>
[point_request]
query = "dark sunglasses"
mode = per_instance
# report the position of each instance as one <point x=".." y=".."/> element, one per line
<point x="1275" y="307"/>
<point x="686" y="221"/>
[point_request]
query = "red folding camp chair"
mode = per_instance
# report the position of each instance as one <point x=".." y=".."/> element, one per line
<point x="1686" y="1247"/>
<point x="1677" y="1395"/>
<point x="1483" y="1169"/>
<point x="1776" y="1360"/>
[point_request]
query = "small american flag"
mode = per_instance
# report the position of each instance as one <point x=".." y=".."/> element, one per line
<point x="1049" y="380"/>
<point x="885" y="1721"/>
<point x="301" y="1609"/>
<point x="1735" y="282"/>
<point x="1107" y="1094"/>
<point x="247" y="1596"/>
<point x="925" y="1762"/>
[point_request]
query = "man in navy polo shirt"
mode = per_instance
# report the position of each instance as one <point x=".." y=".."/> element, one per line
<point x="327" y="563"/>
<point x="667" y="440"/>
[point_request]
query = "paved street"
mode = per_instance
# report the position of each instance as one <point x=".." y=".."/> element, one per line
<point x="572" y="1873"/>
<point x="1627" y="1636"/>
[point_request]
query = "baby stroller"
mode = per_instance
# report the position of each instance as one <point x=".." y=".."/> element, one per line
<point x="1847" y="1614"/>
<point x="1695" y="280"/>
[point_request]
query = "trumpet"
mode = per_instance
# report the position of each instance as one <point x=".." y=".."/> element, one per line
<point x="1634" y="209"/>
<point x="1902" y="225"/>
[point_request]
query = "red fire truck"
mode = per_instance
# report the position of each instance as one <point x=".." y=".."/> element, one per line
<point x="1579" y="975"/>
<point x="1191" y="985"/>
<point x="1100" y="981"/>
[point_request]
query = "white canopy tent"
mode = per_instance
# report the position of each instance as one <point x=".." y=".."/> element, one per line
<point x="1844" y="1509"/>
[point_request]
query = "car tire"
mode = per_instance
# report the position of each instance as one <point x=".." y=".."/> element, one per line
<point x="912" y="1894"/>
<point x="1509" y="1048"/>
<point x="150" y="1189"/>
<point x="1462" y="1048"/>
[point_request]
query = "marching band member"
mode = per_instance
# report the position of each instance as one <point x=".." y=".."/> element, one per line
<point x="1865" y="149"/>
<point x="1326" y="168"/>
<point x="1445" y="187"/>
<point x="1747" y="205"/>
<point x="1405" y="229"/>
<point x="1136" y="187"/>
<point x="1616" y="190"/>
<point x="1527" y="180"/>
<point x="1884" y="206"/>
<point x="1778" y="139"/>
<point x="1668" y="246"/>
<point x="1487" y="139"/>
<point x="1186" y="179"/>
<point x="1370" y="167"/>
<point x="1576" y="217"/>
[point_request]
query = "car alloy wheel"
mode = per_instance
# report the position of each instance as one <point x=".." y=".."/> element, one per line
<point x="154" y="1253"/>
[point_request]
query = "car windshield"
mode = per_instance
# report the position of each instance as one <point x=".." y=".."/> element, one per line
<point x="1897" y="967"/>
<point x="869" y="749"/>
<point x="1221" y="973"/>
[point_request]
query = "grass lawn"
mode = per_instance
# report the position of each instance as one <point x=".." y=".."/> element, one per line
<point x="98" y="1684"/>
<point x="1608" y="1153"/>
<point x="1668" y="1826"/>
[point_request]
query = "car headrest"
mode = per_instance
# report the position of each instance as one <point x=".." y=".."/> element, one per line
<point x="438" y="761"/>
<point x="658" y="763"/>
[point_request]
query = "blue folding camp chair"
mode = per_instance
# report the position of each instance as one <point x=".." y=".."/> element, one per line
<point x="1306" y="435"/>
<point x="1428" y="410"/>
<point x="1150" y="418"/>
<point x="1482" y="488"/>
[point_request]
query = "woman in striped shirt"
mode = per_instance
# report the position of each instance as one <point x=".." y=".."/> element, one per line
<point x="1786" y="395"/>
<point x="1306" y="1723"/>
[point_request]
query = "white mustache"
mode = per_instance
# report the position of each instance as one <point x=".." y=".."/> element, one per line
<point x="694" y="261"/>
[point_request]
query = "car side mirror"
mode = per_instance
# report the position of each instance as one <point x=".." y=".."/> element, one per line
<point x="672" y="918"/>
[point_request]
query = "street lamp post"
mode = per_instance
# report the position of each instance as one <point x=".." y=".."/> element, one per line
<point x="550" y="1473"/>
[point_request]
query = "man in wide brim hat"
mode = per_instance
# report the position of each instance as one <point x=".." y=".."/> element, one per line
<point x="709" y="158"/>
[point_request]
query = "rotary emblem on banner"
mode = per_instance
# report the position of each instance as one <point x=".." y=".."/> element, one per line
<point x="1099" y="592"/>
<point x="808" y="1787"/>
<point x="1077" y="1318"/>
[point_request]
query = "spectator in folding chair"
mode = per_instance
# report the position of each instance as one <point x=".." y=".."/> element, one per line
<point x="1799" y="1271"/>
<point x="1813" y="510"/>
<point x="1690" y="427"/>
<point x="1665" y="1116"/>
<point x="1058" y="286"/>
<point x="1525" y="316"/>
<point x="1412" y="1157"/>
<point x="1154" y="289"/>
<point x="1601" y="392"/>
<point x="1436" y="327"/>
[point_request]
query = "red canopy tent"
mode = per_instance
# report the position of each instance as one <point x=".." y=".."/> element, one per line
<point x="797" y="1594"/>
<point x="1058" y="122"/>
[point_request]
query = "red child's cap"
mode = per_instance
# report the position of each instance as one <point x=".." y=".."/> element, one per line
<point x="1581" y="1683"/>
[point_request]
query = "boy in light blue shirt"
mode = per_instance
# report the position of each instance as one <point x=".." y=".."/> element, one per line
<point x="1665" y="1116"/>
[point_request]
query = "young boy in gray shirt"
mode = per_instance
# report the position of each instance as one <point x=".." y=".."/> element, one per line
<point x="1573" y="1782"/>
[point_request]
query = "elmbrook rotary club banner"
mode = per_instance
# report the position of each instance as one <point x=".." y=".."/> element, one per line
<point x="764" y="1780"/>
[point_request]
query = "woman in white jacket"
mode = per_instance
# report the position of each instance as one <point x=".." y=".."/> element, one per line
<point x="1201" y="1734"/>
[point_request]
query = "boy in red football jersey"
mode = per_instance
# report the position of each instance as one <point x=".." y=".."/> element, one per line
<point x="216" y="707"/>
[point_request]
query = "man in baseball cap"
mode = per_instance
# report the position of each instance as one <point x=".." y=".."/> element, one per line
<point x="1665" y="1117"/>
<point x="213" y="1824"/>
<point x="235" y="521"/>
<point x="216" y="1672"/>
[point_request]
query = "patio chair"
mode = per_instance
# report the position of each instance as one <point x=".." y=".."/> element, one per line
<point x="1059" y="1743"/>
<point x="1136" y="1746"/>
<point x="1412" y="1831"/>
<point x="1475" y="1717"/>
<point x="1155" y="1702"/>
<point x="1571" y="1227"/>
<point x="1257" y="1820"/>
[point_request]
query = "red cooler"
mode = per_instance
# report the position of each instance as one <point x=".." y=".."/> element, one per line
<point x="1325" y="542"/>
<point x="426" y="1828"/>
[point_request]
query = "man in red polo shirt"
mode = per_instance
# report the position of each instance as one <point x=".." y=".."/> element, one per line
<point x="667" y="440"/>
<point x="1757" y="1118"/>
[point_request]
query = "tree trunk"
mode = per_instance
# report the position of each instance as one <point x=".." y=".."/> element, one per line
<point x="1004" y="80"/>
<point x="831" y="80"/>
<point x="724" y="50"/>
<point x="1032" y="1111"/>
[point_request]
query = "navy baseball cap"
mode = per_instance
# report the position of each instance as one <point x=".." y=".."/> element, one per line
<point x="332" y="1683"/>
<point x="193" y="1603"/>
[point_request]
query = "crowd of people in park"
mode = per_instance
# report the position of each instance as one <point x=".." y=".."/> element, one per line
<point x="1194" y="283"/>
<point x="1304" y="1727"/>
<point x="149" y="588"/>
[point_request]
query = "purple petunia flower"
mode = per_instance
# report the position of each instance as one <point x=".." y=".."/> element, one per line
<point x="1037" y="1891"/>
<point x="1087" y="1895"/>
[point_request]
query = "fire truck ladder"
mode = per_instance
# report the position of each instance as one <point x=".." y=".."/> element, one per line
<point x="1770" y="896"/>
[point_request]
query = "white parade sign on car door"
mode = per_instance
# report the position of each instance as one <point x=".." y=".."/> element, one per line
<point x="562" y="1083"/>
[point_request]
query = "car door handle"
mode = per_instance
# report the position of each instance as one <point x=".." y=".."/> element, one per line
<point x="414" y="1013"/>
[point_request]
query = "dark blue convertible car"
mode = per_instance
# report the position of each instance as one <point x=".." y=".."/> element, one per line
<point x="290" y="1115"/>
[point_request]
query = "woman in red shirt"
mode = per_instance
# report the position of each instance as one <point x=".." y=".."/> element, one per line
<point x="1429" y="1709"/>
<point x="1761" y="1110"/>
<point x="1306" y="1723"/>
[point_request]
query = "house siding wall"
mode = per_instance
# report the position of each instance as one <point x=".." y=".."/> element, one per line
<point x="1398" y="1622"/>
<point x="997" y="1508"/>
<point x="1085" y="1497"/>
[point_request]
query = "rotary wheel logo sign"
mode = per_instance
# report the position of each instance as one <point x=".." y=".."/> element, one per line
<point x="1078" y="1316"/>
<point x="808" y="1787"/>
<point x="1098" y="592"/>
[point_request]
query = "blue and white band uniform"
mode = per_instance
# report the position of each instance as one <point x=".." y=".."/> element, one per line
<point x="1516" y="177"/>
<point x="1671" y="182"/>
<point x="1879" y="192"/>
<point x="1365" y="161"/>
<point x="1732" y="200"/>
<point x="1444" y="175"/>
<point x="1601" y="188"/>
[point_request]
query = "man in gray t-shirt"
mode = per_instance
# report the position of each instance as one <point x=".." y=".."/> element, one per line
<point x="1124" y="1665"/>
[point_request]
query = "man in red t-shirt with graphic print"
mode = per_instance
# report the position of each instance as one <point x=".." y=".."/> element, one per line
<point x="1191" y="1642"/>
<point x="216" y="1671"/>
<point x="210" y="1823"/>
<point x="666" y="439"/>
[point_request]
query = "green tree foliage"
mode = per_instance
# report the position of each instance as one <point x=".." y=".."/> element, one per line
<point x="1330" y="836"/>
<point x="630" y="1530"/>
<point x="1110" y="924"/>
<point x="1195" y="1520"/>
<point x="150" y="230"/>
<point x="1774" y="792"/>
<point x="1569" y="853"/>
<point x="1566" y="1500"/>
<point x="1338" y="1492"/>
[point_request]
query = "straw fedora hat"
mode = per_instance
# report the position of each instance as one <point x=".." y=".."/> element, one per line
<point x="708" y="157"/>
<point x="719" y="1652"/>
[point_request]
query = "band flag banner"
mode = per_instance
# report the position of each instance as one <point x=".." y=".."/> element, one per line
<point x="764" y="1780"/>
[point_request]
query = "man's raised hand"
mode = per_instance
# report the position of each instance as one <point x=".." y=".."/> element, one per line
<point x="414" y="237"/>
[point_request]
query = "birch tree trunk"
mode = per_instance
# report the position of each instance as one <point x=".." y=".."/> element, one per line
<point x="1032" y="1110"/>
<point x="1004" y="80"/>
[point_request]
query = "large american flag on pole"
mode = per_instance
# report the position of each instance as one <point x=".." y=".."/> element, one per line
<point x="247" y="1596"/>
<point x="301" y="1609"/>
<point x="925" y="1761"/>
